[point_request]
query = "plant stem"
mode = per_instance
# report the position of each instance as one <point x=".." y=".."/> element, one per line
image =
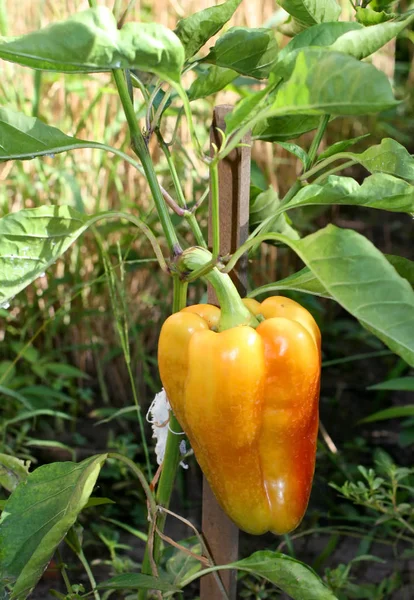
<point x="141" y="150"/>
<point x="62" y="568"/>
<point x="171" y="456"/>
<point x="233" y="311"/>
<point x="89" y="573"/>
<point x="317" y="140"/>
<point x="140" y="420"/>
<point x="324" y="163"/>
<point x="334" y="170"/>
<point x="215" y="208"/>
<point x="139" y="474"/>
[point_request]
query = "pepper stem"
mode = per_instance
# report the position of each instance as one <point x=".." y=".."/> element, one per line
<point x="233" y="311"/>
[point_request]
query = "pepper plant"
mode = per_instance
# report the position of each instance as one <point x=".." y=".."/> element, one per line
<point x="321" y="74"/>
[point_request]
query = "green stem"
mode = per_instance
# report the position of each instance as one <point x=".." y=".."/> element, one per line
<point x="249" y="244"/>
<point x="89" y="573"/>
<point x="63" y="572"/>
<point x="140" y="420"/>
<point x="324" y="163"/>
<point x="292" y="192"/>
<point x="195" y="228"/>
<point x="317" y="140"/>
<point x="171" y="456"/>
<point x="215" y="210"/>
<point x="141" y="150"/>
<point x="192" y="221"/>
<point x="334" y="170"/>
<point x="173" y="171"/>
<point x="233" y="311"/>
<point x="140" y="476"/>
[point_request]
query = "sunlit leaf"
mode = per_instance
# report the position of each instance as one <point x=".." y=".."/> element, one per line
<point x="194" y="31"/>
<point x="379" y="191"/>
<point x="246" y="50"/>
<point x="310" y="12"/>
<point x="31" y="240"/>
<point x="37" y="517"/>
<point x="90" y="42"/>
<point x="12" y="472"/>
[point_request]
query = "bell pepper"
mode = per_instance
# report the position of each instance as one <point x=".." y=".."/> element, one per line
<point x="247" y="398"/>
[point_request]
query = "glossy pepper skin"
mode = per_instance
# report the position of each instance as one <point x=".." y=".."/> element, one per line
<point x="248" y="401"/>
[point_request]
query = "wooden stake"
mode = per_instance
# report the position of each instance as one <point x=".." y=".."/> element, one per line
<point x="221" y="535"/>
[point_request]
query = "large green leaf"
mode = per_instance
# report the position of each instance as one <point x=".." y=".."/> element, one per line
<point x="323" y="34"/>
<point x="278" y="129"/>
<point x="305" y="280"/>
<point x="387" y="157"/>
<point x="363" y="42"/>
<point x="246" y="50"/>
<point x="359" y="277"/>
<point x="194" y="31"/>
<point x="23" y="137"/>
<point x="12" y="471"/>
<point x="37" y="517"/>
<point x="310" y="12"/>
<point x="333" y="83"/>
<point x="377" y="191"/>
<point x="31" y="240"/>
<point x="296" y="579"/>
<point x="90" y="41"/>
<point x="210" y="81"/>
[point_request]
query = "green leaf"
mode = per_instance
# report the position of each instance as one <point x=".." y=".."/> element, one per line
<point x="302" y="281"/>
<point x="361" y="43"/>
<point x="341" y="146"/>
<point x="15" y="395"/>
<point x="395" y="412"/>
<point x="405" y="384"/>
<point x="248" y="51"/>
<point x="278" y="129"/>
<point x="137" y="581"/>
<point x="368" y="17"/>
<point x="194" y="31"/>
<point x="12" y="472"/>
<point x="296" y="150"/>
<point x="296" y="579"/>
<point x="179" y="564"/>
<point x="320" y="84"/>
<point x="210" y="81"/>
<point x="23" y="137"/>
<point x="33" y="414"/>
<point x="31" y="240"/>
<point x="305" y="281"/>
<point x="90" y="42"/>
<point x="403" y="266"/>
<point x="310" y="12"/>
<point x="264" y="206"/>
<point x="387" y="157"/>
<point x="65" y="370"/>
<point x="98" y="502"/>
<point x="37" y="517"/>
<point x="246" y="109"/>
<point x="377" y="191"/>
<point x="323" y="34"/>
<point x="361" y="280"/>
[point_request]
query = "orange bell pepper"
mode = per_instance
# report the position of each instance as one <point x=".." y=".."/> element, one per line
<point x="247" y="398"/>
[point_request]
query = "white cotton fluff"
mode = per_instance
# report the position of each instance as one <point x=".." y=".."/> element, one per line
<point x="159" y="416"/>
